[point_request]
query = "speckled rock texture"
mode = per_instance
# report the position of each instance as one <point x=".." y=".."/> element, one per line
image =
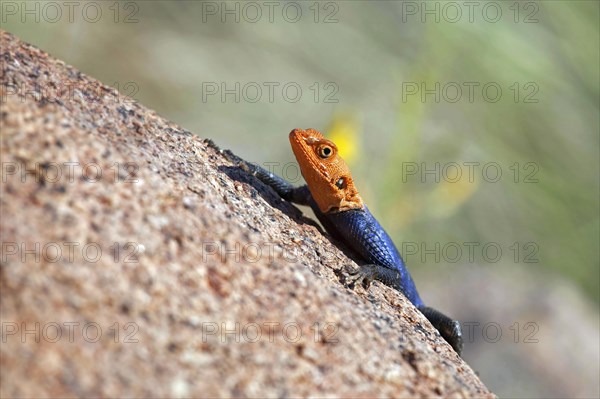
<point x="138" y="262"/>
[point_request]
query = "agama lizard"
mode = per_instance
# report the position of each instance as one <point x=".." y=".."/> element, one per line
<point x="331" y="193"/>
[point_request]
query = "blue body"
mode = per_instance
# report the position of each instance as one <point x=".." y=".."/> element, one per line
<point x="365" y="236"/>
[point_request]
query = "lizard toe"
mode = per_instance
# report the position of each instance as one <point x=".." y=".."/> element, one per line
<point x="363" y="275"/>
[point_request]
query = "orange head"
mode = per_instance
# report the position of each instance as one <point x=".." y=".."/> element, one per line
<point x="325" y="172"/>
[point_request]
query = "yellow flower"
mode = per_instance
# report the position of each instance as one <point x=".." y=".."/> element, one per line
<point x="343" y="131"/>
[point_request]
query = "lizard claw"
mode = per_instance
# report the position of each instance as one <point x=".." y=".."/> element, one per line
<point x="230" y="156"/>
<point x="239" y="162"/>
<point x="363" y="275"/>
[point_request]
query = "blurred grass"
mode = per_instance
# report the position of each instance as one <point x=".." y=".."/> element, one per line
<point x="369" y="53"/>
<point x="560" y="134"/>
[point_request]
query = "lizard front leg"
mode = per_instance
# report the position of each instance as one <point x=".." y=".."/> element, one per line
<point x="286" y="190"/>
<point x="449" y="329"/>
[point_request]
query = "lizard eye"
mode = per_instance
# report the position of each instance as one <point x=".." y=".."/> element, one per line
<point x="341" y="183"/>
<point x="325" y="151"/>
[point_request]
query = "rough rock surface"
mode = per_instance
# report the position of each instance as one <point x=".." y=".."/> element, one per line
<point x="136" y="261"/>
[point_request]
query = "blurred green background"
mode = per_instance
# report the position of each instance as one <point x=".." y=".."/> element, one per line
<point x="391" y="82"/>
